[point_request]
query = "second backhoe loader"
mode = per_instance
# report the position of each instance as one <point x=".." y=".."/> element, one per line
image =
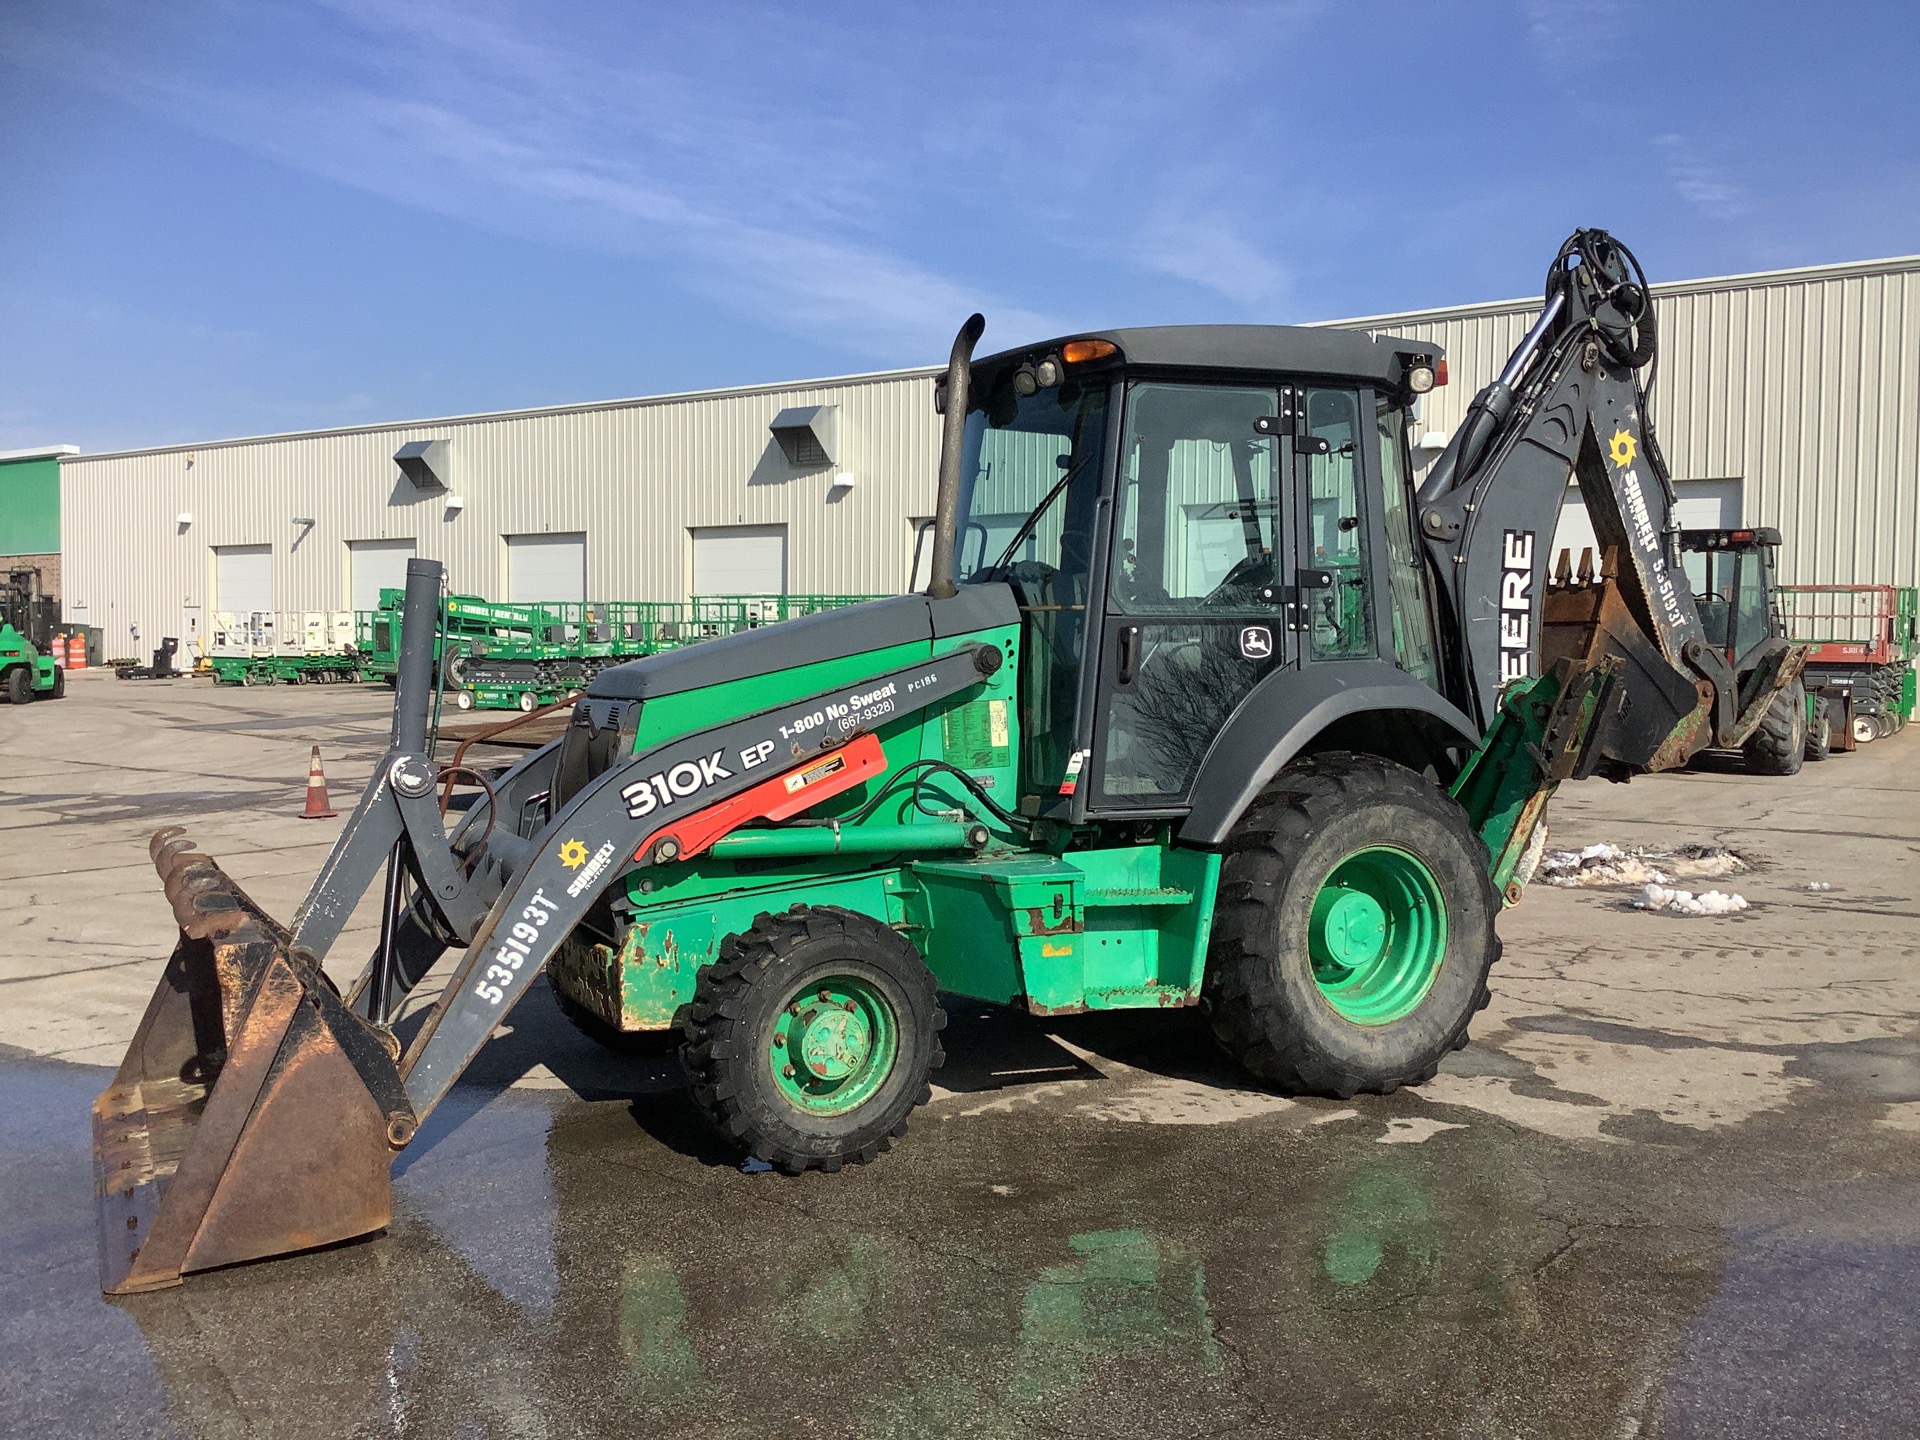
<point x="1206" y="704"/>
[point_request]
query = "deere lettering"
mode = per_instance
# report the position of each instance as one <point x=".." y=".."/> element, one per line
<point x="1516" y="604"/>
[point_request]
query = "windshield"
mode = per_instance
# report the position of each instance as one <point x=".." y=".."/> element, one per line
<point x="1029" y="473"/>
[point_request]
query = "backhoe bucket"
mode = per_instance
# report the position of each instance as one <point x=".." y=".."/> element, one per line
<point x="254" y="1114"/>
<point x="1587" y="623"/>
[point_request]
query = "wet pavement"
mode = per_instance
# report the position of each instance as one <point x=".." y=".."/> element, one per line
<point x="1672" y="1188"/>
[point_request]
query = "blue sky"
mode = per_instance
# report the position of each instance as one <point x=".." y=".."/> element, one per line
<point x="232" y="218"/>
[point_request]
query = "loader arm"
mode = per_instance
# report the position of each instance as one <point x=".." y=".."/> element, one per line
<point x="1571" y="403"/>
<point x="657" y="806"/>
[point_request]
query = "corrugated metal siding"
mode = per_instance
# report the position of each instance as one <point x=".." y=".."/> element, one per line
<point x="1803" y="385"/>
<point x="635" y="477"/>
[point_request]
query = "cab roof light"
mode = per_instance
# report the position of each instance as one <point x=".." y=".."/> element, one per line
<point x="1440" y="372"/>
<point x="1740" y="537"/>
<point x="1079" y="352"/>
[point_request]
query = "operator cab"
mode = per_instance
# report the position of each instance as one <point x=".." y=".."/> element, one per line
<point x="1731" y="573"/>
<point x="1183" y="513"/>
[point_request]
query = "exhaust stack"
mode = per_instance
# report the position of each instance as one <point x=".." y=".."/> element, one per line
<point x="946" y="507"/>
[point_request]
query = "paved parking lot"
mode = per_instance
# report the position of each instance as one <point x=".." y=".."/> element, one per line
<point x="1670" y="1188"/>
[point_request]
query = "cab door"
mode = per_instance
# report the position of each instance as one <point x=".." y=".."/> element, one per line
<point x="1199" y="566"/>
<point x="1333" y="615"/>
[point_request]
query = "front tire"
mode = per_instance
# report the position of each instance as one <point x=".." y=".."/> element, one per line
<point x="1353" y="930"/>
<point x="1820" y="730"/>
<point x="811" y="1039"/>
<point x="1779" y="745"/>
<point x="19" y="685"/>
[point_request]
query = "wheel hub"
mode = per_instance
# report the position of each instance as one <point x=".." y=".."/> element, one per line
<point x="835" y="1042"/>
<point x="1356" y="928"/>
<point x="1378" y="935"/>
<point x="834" y="1046"/>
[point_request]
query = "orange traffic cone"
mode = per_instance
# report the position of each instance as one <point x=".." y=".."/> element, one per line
<point x="317" y="806"/>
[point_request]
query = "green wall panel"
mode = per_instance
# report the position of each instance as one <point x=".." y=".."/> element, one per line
<point x="30" y="507"/>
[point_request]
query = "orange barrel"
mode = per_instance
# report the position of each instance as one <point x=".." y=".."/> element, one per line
<point x="77" y="650"/>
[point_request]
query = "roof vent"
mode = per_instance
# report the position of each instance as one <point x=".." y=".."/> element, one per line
<point x="424" y="462"/>
<point x="806" y="434"/>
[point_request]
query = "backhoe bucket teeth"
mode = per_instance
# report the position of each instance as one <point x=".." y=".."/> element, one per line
<point x="254" y="1114"/>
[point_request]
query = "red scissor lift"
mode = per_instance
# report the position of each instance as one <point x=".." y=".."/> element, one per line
<point x="1863" y="639"/>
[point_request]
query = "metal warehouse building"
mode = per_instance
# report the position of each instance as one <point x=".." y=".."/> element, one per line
<point x="810" y="488"/>
<point x="1789" y="398"/>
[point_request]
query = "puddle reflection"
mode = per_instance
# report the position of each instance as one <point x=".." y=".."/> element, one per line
<point x="554" y="1270"/>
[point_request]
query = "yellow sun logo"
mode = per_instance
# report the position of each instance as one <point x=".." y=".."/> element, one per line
<point x="1623" y="449"/>
<point x="572" y="854"/>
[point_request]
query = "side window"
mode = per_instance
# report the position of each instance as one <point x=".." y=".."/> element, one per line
<point x="1197" y="501"/>
<point x="1336" y="531"/>
<point x="1710" y="577"/>
<point x="1414" y="647"/>
<point x="1750" y="625"/>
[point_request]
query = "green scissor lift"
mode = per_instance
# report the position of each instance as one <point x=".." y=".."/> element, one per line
<point x="502" y="656"/>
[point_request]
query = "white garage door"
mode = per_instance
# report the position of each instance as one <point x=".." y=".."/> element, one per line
<point x="376" y="565"/>
<point x="242" y="578"/>
<point x="740" y="560"/>
<point x="546" y="567"/>
<point x="1698" y="504"/>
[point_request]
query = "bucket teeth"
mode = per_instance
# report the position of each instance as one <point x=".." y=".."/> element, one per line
<point x="254" y="1114"/>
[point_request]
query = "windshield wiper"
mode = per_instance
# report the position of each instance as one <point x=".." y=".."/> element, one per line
<point x="1026" y="526"/>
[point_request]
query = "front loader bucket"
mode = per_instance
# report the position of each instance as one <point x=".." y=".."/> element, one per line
<point x="254" y="1114"/>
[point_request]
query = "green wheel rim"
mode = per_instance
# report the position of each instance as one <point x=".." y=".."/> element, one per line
<point x="833" y="1046"/>
<point x="1378" y="935"/>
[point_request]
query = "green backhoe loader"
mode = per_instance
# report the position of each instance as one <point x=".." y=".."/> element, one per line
<point x="1206" y="704"/>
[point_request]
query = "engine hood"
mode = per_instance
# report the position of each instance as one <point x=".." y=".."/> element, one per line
<point x="810" y="640"/>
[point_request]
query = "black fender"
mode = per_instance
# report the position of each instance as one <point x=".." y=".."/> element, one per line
<point x="1289" y="709"/>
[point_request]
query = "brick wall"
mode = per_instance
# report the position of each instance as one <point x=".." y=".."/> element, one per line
<point x="47" y="565"/>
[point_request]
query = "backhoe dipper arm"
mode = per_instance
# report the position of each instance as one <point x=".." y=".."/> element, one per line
<point x="1570" y="402"/>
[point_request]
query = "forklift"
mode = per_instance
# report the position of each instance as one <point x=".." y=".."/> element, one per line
<point x="27" y="618"/>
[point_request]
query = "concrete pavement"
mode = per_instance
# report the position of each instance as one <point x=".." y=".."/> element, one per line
<point x="1669" y="1189"/>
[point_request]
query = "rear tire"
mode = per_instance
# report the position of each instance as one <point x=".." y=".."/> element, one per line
<point x="1820" y="730"/>
<point x="19" y="685"/>
<point x="1779" y="745"/>
<point x="809" y="1042"/>
<point x="1355" y="855"/>
<point x="59" y="690"/>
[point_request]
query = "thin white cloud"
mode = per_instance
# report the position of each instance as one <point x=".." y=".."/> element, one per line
<point x="1572" y="29"/>
<point x="1700" y="184"/>
<point x="479" y="123"/>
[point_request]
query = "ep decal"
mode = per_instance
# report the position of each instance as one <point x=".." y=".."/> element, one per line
<point x="1516" y="604"/>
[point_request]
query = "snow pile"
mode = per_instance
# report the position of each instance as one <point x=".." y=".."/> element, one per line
<point x="1685" y="902"/>
<point x="1598" y="865"/>
<point x="1610" y="865"/>
<point x="1819" y="885"/>
<point x="1703" y="861"/>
